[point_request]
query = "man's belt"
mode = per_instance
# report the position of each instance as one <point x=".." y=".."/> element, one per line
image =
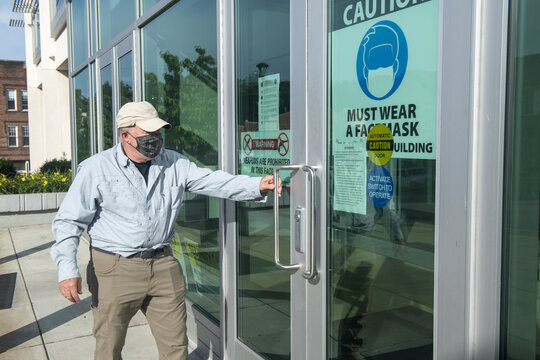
<point x="145" y="254"/>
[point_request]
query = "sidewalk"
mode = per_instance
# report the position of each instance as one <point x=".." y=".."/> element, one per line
<point x="41" y="323"/>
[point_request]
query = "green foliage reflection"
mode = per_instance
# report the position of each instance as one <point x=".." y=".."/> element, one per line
<point x="186" y="96"/>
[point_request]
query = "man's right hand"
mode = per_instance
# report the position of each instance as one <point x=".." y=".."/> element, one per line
<point x="71" y="288"/>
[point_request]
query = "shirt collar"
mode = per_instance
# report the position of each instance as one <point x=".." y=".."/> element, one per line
<point x="121" y="156"/>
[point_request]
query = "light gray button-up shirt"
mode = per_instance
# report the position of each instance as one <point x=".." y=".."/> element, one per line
<point x="124" y="215"/>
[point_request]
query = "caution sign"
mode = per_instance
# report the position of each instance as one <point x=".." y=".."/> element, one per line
<point x="264" y="150"/>
<point x="384" y="73"/>
<point x="380" y="144"/>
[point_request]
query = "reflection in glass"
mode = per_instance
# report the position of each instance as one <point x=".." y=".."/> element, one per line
<point x="114" y="16"/>
<point x="94" y="104"/>
<point x="180" y="80"/>
<point x="79" y="32"/>
<point x="107" y="107"/>
<point x="262" y="52"/>
<point x="93" y="32"/>
<point x="125" y="73"/>
<point x="81" y="97"/>
<point x="520" y="338"/>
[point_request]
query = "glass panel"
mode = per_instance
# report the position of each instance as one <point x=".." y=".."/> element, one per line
<point x="147" y="4"/>
<point x="125" y="73"/>
<point x="521" y="284"/>
<point x="81" y="103"/>
<point x="93" y="31"/>
<point x="263" y="105"/>
<point x="180" y="80"/>
<point x="24" y="100"/>
<point x="107" y="107"/>
<point x="79" y="11"/>
<point x="94" y="104"/>
<point x="114" y="16"/>
<point x="381" y="196"/>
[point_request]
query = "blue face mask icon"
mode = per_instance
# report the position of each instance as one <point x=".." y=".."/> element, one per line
<point x="382" y="60"/>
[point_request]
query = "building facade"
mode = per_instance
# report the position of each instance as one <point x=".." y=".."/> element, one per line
<point x="405" y="133"/>
<point x="48" y="85"/>
<point x="14" y="130"/>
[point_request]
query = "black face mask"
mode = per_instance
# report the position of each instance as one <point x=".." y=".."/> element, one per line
<point x="149" y="145"/>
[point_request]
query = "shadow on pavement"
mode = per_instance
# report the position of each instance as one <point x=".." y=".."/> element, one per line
<point x="26" y="252"/>
<point x="49" y="322"/>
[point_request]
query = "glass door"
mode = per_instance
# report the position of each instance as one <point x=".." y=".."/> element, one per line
<point x="263" y="302"/>
<point x="267" y="306"/>
<point x="343" y="105"/>
<point x="382" y="122"/>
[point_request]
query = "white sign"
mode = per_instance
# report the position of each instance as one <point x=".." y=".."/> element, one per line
<point x="350" y="176"/>
<point x="269" y="102"/>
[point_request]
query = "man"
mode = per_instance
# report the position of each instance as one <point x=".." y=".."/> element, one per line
<point x="129" y="197"/>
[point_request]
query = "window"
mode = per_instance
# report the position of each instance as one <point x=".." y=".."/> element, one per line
<point x="81" y="96"/>
<point x="24" y="100"/>
<point x="79" y="32"/>
<point x="26" y="136"/>
<point x="520" y="319"/>
<point x="11" y="100"/>
<point x="12" y="135"/>
<point x="114" y="17"/>
<point x="180" y="80"/>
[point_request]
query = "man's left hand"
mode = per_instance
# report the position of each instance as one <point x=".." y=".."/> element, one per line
<point x="267" y="184"/>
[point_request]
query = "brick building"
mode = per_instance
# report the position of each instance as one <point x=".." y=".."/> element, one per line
<point x="14" y="130"/>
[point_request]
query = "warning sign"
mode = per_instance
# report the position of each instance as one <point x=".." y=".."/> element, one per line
<point x="380" y="144"/>
<point x="384" y="73"/>
<point x="263" y="150"/>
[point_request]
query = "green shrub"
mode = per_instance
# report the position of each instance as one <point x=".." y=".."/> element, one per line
<point x="7" y="168"/>
<point x="56" y="165"/>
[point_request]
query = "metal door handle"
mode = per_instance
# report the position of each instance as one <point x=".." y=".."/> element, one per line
<point x="309" y="272"/>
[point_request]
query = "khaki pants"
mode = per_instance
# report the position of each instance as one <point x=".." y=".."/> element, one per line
<point x="155" y="286"/>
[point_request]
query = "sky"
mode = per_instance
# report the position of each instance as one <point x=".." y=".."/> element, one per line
<point x="12" y="39"/>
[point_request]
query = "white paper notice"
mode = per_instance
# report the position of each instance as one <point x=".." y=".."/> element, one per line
<point x="350" y="176"/>
<point x="269" y="102"/>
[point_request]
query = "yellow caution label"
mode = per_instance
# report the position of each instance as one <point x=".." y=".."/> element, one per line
<point x="380" y="144"/>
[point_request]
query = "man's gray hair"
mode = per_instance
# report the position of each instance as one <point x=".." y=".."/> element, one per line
<point x="122" y="129"/>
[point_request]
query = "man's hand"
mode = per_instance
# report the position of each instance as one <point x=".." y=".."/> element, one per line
<point x="267" y="184"/>
<point x="71" y="288"/>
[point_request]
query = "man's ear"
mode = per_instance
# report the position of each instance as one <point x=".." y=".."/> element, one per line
<point x="124" y="135"/>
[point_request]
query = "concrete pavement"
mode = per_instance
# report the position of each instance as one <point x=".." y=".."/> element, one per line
<point x="41" y="324"/>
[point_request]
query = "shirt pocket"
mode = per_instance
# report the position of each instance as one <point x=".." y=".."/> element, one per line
<point x="171" y="198"/>
<point x="120" y="198"/>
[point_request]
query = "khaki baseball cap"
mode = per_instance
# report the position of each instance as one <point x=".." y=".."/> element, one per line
<point x="142" y="114"/>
